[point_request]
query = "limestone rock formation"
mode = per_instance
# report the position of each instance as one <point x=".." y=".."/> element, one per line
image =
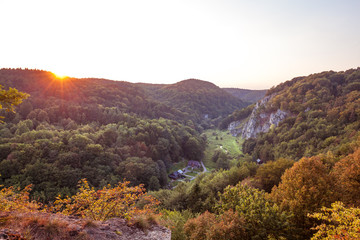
<point x="259" y="121"/>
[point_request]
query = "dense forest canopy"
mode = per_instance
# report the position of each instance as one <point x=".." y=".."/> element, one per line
<point x="107" y="131"/>
<point x="324" y="115"/>
<point x="197" y="98"/>
<point x="86" y="100"/>
<point x="102" y="130"/>
<point x="246" y="95"/>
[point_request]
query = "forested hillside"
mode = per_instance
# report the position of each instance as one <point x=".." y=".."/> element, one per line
<point x="98" y="129"/>
<point x="322" y="112"/>
<point x="87" y="100"/>
<point x="306" y="186"/>
<point x="246" y="95"/>
<point x="82" y="100"/>
<point x="310" y="173"/>
<point x="201" y="100"/>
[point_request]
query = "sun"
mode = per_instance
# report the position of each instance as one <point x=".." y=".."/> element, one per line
<point x="60" y="77"/>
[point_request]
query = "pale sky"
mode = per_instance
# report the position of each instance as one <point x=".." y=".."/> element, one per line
<point x="252" y="44"/>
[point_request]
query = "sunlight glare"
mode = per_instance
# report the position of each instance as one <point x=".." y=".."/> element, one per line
<point x="60" y="77"/>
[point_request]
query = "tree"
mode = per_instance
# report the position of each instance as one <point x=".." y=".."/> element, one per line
<point x="347" y="173"/>
<point x="12" y="199"/>
<point x="221" y="159"/>
<point x="79" y="141"/>
<point x="338" y="222"/>
<point x="109" y="202"/>
<point x="208" y="226"/>
<point x="154" y="183"/>
<point x="175" y="220"/>
<point x="198" y="228"/>
<point x="10" y="98"/>
<point x="193" y="149"/>
<point x="263" y="219"/>
<point x="139" y="170"/>
<point x="269" y="174"/>
<point x="304" y="188"/>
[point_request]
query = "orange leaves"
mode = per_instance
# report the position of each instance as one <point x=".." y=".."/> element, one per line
<point x="347" y="173"/>
<point x="106" y="203"/>
<point x="12" y="199"/>
<point x="304" y="188"/>
<point x="119" y="201"/>
<point x="208" y="226"/>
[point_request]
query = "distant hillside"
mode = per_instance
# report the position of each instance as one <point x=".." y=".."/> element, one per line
<point x="198" y="98"/>
<point x="83" y="100"/>
<point x="246" y="95"/>
<point x="88" y="99"/>
<point x="305" y="116"/>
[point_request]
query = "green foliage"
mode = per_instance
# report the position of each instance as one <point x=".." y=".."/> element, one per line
<point x="55" y="158"/>
<point x="251" y="96"/>
<point x="221" y="159"/>
<point x="191" y="149"/>
<point x="175" y="220"/>
<point x="269" y="174"/>
<point x="338" y="222"/>
<point x="262" y="218"/>
<point x="202" y="193"/>
<point x="105" y="101"/>
<point x="10" y="98"/>
<point x="217" y="142"/>
<point x="237" y="115"/>
<point x="197" y="98"/>
<point x="106" y="131"/>
<point x="323" y="116"/>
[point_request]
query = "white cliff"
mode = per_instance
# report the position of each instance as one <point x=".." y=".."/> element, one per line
<point x="258" y="121"/>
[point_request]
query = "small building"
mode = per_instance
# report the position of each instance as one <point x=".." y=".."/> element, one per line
<point x="194" y="164"/>
<point x="259" y="161"/>
<point x="176" y="175"/>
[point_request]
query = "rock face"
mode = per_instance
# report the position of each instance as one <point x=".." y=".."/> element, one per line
<point x="117" y="228"/>
<point x="235" y="128"/>
<point x="69" y="227"/>
<point x="258" y="121"/>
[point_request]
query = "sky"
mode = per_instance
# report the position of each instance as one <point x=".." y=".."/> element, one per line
<point x="253" y="44"/>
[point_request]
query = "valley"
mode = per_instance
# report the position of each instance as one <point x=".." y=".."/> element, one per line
<point x="263" y="164"/>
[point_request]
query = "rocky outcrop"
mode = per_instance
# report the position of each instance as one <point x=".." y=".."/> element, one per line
<point x="117" y="228"/>
<point x="258" y="122"/>
<point x="59" y="227"/>
<point x="235" y="128"/>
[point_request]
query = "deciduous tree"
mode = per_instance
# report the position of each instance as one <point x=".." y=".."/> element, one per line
<point x="10" y="98"/>
<point x="338" y="222"/>
<point x="304" y="188"/>
<point x="347" y="174"/>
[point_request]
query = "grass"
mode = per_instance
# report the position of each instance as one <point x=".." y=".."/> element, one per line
<point x="89" y="223"/>
<point x="220" y="140"/>
<point x="43" y="226"/>
<point x="177" y="166"/>
<point x="144" y="222"/>
<point x="192" y="173"/>
<point x="216" y="140"/>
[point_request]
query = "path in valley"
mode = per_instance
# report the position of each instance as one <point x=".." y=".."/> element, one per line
<point x="193" y="177"/>
<point x="205" y="170"/>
